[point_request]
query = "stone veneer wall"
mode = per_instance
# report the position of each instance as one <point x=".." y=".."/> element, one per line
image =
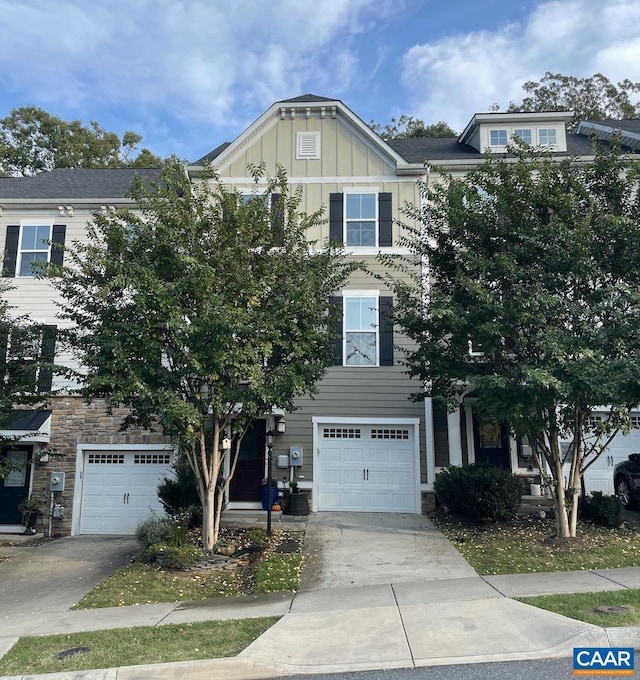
<point x="74" y="422"/>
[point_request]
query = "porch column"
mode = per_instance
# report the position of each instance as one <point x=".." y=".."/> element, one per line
<point x="430" y="440"/>
<point x="454" y="434"/>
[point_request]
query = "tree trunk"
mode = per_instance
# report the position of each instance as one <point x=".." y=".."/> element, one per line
<point x="209" y="532"/>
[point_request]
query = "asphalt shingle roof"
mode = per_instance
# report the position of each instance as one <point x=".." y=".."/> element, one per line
<point x="78" y="183"/>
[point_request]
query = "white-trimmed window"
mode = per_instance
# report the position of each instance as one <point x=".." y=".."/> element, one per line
<point x="361" y="218"/>
<point x="361" y="327"/>
<point x="34" y="247"/>
<point x="547" y="137"/>
<point x="307" y="145"/>
<point x="524" y="134"/>
<point x="498" y="137"/>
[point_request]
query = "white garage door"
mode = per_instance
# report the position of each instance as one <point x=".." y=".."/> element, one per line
<point x="120" y="488"/>
<point x="599" y="477"/>
<point x="366" y="468"/>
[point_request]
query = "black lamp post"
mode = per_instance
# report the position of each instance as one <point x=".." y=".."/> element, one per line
<point x="269" y="437"/>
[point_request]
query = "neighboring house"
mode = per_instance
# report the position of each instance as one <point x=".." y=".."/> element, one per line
<point x="110" y="477"/>
<point x="364" y="445"/>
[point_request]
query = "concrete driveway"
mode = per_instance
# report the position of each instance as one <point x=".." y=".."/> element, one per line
<point x="41" y="581"/>
<point x="362" y="549"/>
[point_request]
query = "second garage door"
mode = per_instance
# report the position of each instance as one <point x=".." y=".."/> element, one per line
<point x="120" y="488"/>
<point x="366" y="468"/>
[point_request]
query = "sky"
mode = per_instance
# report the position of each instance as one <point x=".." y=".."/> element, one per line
<point x="190" y="74"/>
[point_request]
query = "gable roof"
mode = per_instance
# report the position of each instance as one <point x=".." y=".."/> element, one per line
<point x="75" y="183"/>
<point x="223" y="152"/>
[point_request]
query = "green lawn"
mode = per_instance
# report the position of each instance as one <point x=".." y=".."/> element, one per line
<point x="582" y="606"/>
<point x="133" y="646"/>
<point x="526" y="545"/>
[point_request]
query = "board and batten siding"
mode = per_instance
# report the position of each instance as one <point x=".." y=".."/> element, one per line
<point x="353" y="392"/>
<point x="343" y="150"/>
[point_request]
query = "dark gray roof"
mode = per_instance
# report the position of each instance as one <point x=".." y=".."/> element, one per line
<point x="78" y="183"/>
<point x="26" y="420"/>
<point x="627" y="124"/>
<point x="212" y="155"/>
<point x="434" y="149"/>
<point x="307" y="98"/>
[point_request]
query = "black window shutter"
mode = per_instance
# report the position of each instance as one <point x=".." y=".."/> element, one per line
<point x="336" y="224"/>
<point x="336" y="302"/>
<point x="277" y="220"/>
<point x="57" y="254"/>
<point x="385" y="306"/>
<point x="11" y="251"/>
<point x="385" y="222"/>
<point x="47" y="354"/>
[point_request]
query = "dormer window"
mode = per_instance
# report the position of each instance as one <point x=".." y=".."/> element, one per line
<point x="498" y="137"/>
<point x="523" y="134"/>
<point x="547" y="137"/>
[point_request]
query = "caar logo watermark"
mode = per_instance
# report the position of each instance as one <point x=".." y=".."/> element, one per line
<point x="603" y="661"/>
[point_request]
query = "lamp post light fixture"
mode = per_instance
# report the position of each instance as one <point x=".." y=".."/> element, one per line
<point x="269" y="439"/>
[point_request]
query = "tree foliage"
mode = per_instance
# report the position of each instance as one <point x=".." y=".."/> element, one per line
<point x="25" y="366"/>
<point x="32" y="141"/>
<point x="201" y="311"/>
<point x="408" y="126"/>
<point x="536" y="262"/>
<point x="591" y="98"/>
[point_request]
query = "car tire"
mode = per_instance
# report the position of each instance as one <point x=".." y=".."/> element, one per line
<point x="623" y="492"/>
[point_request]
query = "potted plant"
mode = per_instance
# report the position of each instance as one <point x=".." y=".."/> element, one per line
<point x="293" y="485"/>
<point x="275" y="492"/>
<point x="298" y="503"/>
<point x="30" y="507"/>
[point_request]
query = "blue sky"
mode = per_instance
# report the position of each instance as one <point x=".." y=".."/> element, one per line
<point x="190" y="74"/>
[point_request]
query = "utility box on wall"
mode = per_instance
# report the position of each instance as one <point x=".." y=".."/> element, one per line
<point x="295" y="456"/>
<point x="57" y="481"/>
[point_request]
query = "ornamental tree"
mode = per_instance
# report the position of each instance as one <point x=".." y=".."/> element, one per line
<point x="26" y="365"/>
<point x="536" y="262"/>
<point x="201" y="310"/>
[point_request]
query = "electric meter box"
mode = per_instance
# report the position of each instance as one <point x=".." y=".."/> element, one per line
<point x="295" y="456"/>
<point x="56" y="482"/>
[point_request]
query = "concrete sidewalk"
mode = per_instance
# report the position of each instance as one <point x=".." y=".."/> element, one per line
<point x="376" y="592"/>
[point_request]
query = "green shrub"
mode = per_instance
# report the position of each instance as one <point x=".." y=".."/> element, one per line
<point x="153" y="530"/>
<point x="481" y="492"/>
<point x="172" y="556"/>
<point x="179" y="493"/>
<point x="603" y="510"/>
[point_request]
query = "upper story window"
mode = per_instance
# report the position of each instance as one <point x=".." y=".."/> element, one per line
<point x="29" y="244"/>
<point x="360" y="218"/>
<point x="361" y="331"/>
<point x="364" y="329"/>
<point x="34" y="247"/>
<point x="547" y="137"/>
<point x="498" y="137"/>
<point x="26" y="356"/>
<point x="524" y="134"/>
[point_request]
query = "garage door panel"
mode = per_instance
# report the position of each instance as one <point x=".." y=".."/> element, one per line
<point x="120" y="489"/>
<point x="360" y="473"/>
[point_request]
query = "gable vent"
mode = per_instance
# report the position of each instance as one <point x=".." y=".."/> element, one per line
<point x="308" y="145"/>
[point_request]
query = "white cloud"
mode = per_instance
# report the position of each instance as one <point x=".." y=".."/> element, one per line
<point x="196" y="60"/>
<point x="459" y="75"/>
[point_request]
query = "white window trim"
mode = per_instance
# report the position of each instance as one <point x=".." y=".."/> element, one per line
<point x="31" y="223"/>
<point x="376" y="226"/>
<point x="358" y="294"/>
<point x="307" y="146"/>
<point x="547" y="145"/>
